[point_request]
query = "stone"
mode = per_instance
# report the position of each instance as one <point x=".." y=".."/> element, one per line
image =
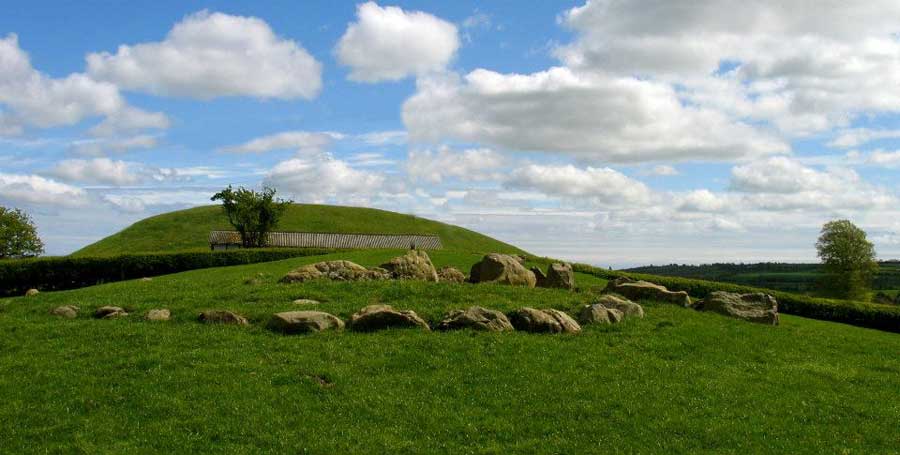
<point x="540" y="278"/>
<point x="593" y="314"/>
<point x="476" y="318"/>
<point x="519" y="258"/>
<point x="451" y="275"/>
<point x="32" y="292"/>
<point x="543" y="321"/>
<point x="335" y="270"/>
<point x="414" y="265"/>
<point x="644" y="290"/>
<point x="502" y="269"/>
<point x="616" y="302"/>
<point x="293" y="322"/>
<point x="222" y="317"/>
<point x="65" y="311"/>
<point x="110" y="312"/>
<point x="306" y="302"/>
<point x="378" y="317"/>
<point x="755" y="307"/>
<point x="146" y="279"/>
<point x="158" y="314"/>
<point x="615" y="316"/>
<point x="559" y="276"/>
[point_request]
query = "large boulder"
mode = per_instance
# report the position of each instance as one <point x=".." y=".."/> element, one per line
<point x="158" y="314"/>
<point x="379" y="317"/>
<point x="598" y="314"/>
<point x="755" y="307"/>
<point x="559" y="276"/>
<point x="335" y="270"/>
<point x="291" y="322"/>
<point x="476" y="318"/>
<point x="644" y="290"/>
<point x="65" y="311"/>
<point x="540" y="278"/>
<point x="222" y="317"/>
<point x="627" y="307"/>
<point x="451" y="275"/>
<point x="110" y="312"/>
<point x="414" y="265"/>
<point x="501" y="269"/>
<point x="543" y="321"/>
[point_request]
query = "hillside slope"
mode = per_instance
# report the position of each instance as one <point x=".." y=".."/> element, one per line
<point x="189" y="229"/>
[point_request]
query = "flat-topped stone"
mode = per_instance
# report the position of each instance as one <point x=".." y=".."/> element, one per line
<point x="543" y="321"/>
<point x="222" y="317"/>
<point x="476" y="318"/>
<point x="294" y="322"/>
<point x="379" y="317"/>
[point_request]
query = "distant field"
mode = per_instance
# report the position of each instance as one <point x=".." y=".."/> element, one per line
<point x="678" y="381"/>
<point x="189" y="229"/>
<point x="802" y="278"/>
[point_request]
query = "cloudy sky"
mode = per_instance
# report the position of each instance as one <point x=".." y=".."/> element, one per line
<point x="611" y="132"/>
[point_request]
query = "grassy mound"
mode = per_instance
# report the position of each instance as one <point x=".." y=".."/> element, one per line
<point x="189" y="229"/>
<point x="676" y="381"/>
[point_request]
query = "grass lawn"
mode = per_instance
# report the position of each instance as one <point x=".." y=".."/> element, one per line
<point x="676" y="381"/>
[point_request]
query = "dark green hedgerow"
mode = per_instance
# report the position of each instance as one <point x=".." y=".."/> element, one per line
<point x="60" y="273"/>
<point x="882" y="317"/>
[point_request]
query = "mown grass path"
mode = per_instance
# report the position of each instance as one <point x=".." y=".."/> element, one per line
<point x="676" y="381"/>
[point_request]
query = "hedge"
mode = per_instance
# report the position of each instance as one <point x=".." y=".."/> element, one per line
<point x="864" y="314"/>
<point x="60" y="273"/>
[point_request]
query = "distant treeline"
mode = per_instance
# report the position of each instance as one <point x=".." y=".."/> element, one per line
<point x="803" y="278"/>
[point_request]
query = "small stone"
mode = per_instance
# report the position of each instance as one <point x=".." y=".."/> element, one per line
<point x="543" y="321"/>
<point x="291" y="322"/>
<point x="627" y="307"/>
<point x="451" y="275"/>
<point x="146" y="279"/>
<point x="66" y="311"/>
<point x="378" y="317"/>
<point x="159" y="314"/>
<point x="306" y="302"/>
<point x="476" y="318"/>
<point x="110" y="312"/>
<point x="593" y="314"/>
<point x="222" y="317"/>
<point x="32" y="292"/>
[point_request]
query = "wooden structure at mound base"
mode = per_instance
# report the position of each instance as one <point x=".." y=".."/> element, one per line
<point x="226" y="240"/>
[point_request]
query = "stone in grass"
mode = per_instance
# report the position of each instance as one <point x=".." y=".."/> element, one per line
<point x="306" y="302"/>
<point x="414" y="265"/>
<point x="146" y="279"/>
<point x="378" y="317"/>
<point x="501" y="269"/>
<point x="158" y="314"/>
<point x="616" y="302"/>
<point x="543" y="321"/>
<point x="644" y="290"/>
<point x="222" y="317"/>
<point x="559" y="276"/>
<point x="32" y="292"/>
<point x="110" y="312"/>
<point x="451" y="275"/>
<point x="476" y="318"/>
<point x="755" y="307"/>
<point x="65" y="311"/>
<point x="292" y="322"/>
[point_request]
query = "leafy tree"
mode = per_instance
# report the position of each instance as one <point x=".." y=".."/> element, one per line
<point x="18" y="236"/>
<point x="848" y="260"/>
<point x="252" y="213"/>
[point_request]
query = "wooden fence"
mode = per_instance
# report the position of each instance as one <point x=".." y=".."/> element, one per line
<point x="218" y="239"/>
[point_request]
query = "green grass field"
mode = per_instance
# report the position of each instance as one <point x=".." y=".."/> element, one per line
<point x="677" y="381"/>
<point x="189" y="229"/>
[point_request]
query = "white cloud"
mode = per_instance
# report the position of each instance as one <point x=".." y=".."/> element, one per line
<point x="209" y="55"/>
<point x="663" y="170"/>
<point x="37" y="190"/>
<point x="466" y="165"/>
<point x="703" y="201"/>
<point x="99" y="147"/>
<point x="130" y="120"/>
<point x="370" y="160"/>
<point x="387" y="44"/>
<point x="303" y="141"/>
<point x="323" y="178"/>
<point x="884" y="158"/>
<point x="806" y="68"/>
<point x="859" y="136"/>
<point x="600" y="186"/>
<point x="594" y="117"/>
<point x="396" y="137"/>
<point x="98" y="170"/>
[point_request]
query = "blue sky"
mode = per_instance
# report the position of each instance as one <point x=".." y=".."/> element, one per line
<point x="610" y="132"/>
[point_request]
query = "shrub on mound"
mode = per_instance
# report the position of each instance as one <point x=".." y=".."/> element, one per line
<point x="60" y="273"/>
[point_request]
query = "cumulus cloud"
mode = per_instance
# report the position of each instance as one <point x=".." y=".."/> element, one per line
<point x="209" y="55"/>
<point x="466" y="165"/>
<point x="303" y="141"/>
<point x="804" y="68"/>
<point x="130" y="120"/>
<point x="388" y="44"/>
<point x="594" y="117"/>
<point x="323" y="178"/>
<point x="104" y="171"/>
<point x="597" y="185"/>
<point x="858" y="136"/>
<point x="36" y="190"/>
<point x="99" y="147"/>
